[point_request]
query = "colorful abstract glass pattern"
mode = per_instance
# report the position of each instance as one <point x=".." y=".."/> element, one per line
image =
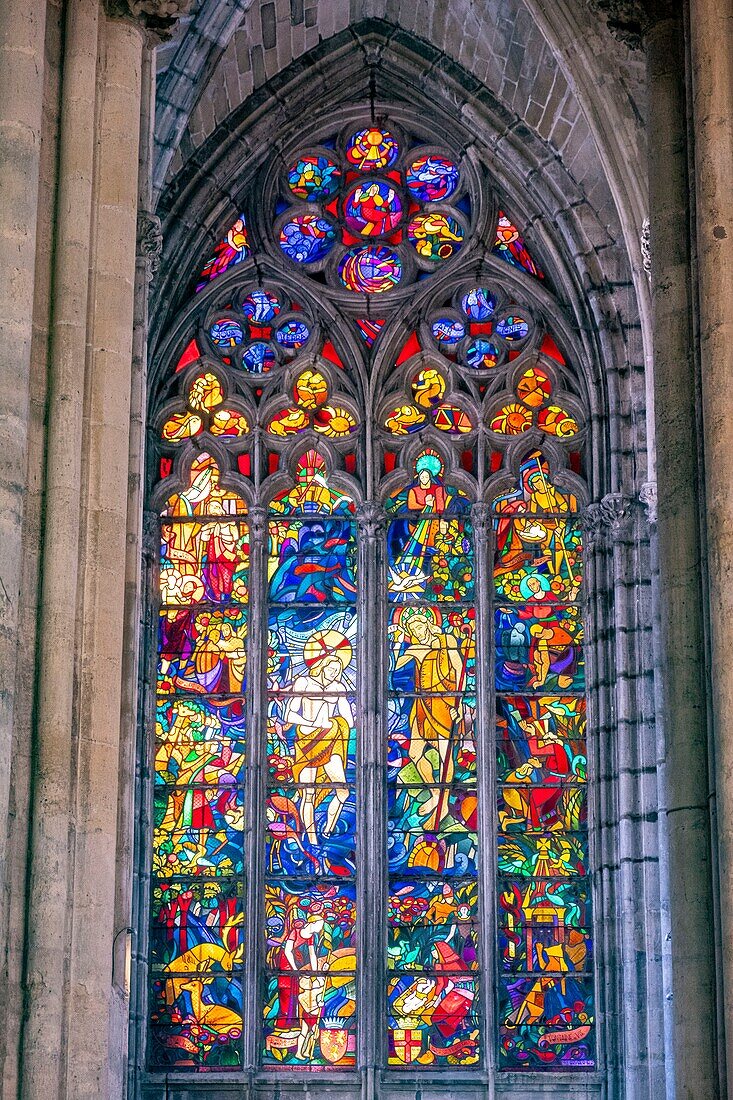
<point x="371" y="270"/>
<point x="433" y="1014"/>
<point x="232" y="250"/>
<point x="310" y="891"/>
<point x="432" y="178"/>
<point x="435" y="236"/>
<point x="510" y="246"/>
<point x="372" y="149"/>
<point x="314" y="178"/>
<point x="534" y="389"/>
<point x="546" y="1009"/>
<point x="307" y="238"/>
<point x="197" y="949"/>
<point x="372" y="209"/>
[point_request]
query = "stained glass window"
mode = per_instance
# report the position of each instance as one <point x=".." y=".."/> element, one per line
<point x="370" y="839"/>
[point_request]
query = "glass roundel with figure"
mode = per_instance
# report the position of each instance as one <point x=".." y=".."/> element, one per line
<point x="370" y="844"/>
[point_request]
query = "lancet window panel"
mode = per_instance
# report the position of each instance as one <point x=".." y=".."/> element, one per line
<point x="371" y="839"/>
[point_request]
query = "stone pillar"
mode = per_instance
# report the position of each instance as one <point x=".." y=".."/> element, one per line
<point x="22" y="30"/>
<point x="686" y="789"/>
<point x="106" y="440"/>
<point x="73" y="1044"/>
<point x="711" y="63"/>
<point x="48" y="887"/>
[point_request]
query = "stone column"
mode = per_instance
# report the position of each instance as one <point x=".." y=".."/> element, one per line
<point x="685" y="797"/>
<point x="107" y="440"/>
<point x="711" y="62"/>
<point x="50" y="837"/>
<point x="22" y="28"/>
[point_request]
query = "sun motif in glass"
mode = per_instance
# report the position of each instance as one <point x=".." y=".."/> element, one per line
<point x="432" y="178"/>
<point x="371" y="270"/>
<point x="372" y="149"/>
<point x="372" y="209"/>
<point x="314" y="177"/>
<point x="307" y="238"/>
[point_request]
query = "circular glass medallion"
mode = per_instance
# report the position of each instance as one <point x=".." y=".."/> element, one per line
<point x="481" y="354"/>
<point x="370" y="270"/>
<point x="435" y="236"/>
<point x="205" y="392"/>
<point x="534" y="387"/>
<point x="307" y="238"/>
<point x="451" y="419"/>
<point x="310" y="389"/>
<point x="448" y="331"/>
<point x="404" y="420"/>
<point x="261" y="307"/>
<point x="334" y="422"/>
<point x="226" y="333"/>
<point x="293" y="334"/>
<point x="478" y="303"/>
<point x="428" y="386"/>
<point x="512" y="328"/>
<point x="512" y="419"/>
<point x="372" y="209"/>
<point x="372" y="149"/>
<point x="313" y="178"/>
<point x="432" y="178"/>
<point x="258" y="358"/>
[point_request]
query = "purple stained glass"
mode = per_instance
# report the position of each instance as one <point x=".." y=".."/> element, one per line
<point x="372" y="209"/>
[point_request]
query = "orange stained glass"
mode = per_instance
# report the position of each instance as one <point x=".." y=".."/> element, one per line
<point x="204" y="494"/>
<point x="205" y="392"/>
<point x="534" y="387"/>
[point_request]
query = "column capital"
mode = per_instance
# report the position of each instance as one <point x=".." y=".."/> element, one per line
<point x="481" y="519"/>
<point x="648" y="499"/>
<point x="257" y="520"/>
<point x="604" y="520"/>
<point x="371" y="519"/>
<point x="149" y="242"/>
<point x="158" y="17"/>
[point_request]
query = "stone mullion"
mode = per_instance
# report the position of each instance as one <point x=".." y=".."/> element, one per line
<point x="255" y="795"/>
<point x="614" y="868"/>
<point x="486" y="776"/>
<point x="600" y="729"/>
<point x="371" y="803"/>
<point x="144" y="786"/>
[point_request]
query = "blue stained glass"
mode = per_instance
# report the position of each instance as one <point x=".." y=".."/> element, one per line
<point x="448" y="331"/>
<point x="478" y="304"/>
<point x="259" y="358"/>
<point x="261" y="307"/>
<point x="307" y="238"/>
<point x="293" y="334"/>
